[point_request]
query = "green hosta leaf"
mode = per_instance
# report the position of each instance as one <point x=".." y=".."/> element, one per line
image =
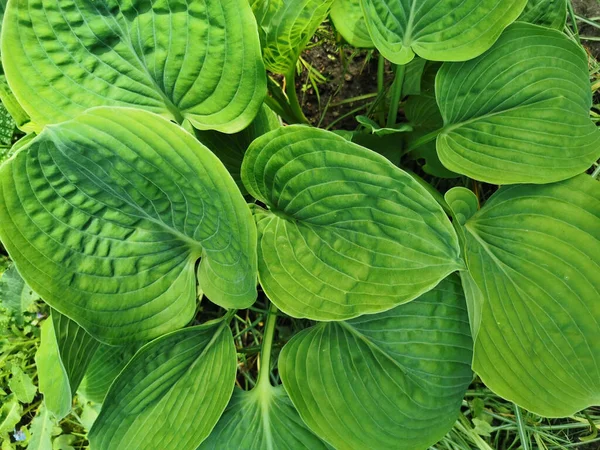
<point x="21" y="385"/>
<point x="230" y="148"/>
<point x="437" y="30"/>
<point x="62" y="359"/>
<point x="463" y="202"/>
<point x="194" y="60"/>
<point x="262" y="419"/>
<point x="41" y="430"/>
<point x="285" y="28"/>
<point x="390" y="380"/>
<point x="532" y="124"/>
<point x="174" y="389"/>
<point x="126" y="197"/>
<point x="549" y="13"/>
<point x="347" y="232"/>
<point x="104" y="367"/>
<point x="10" y="414"/>
<point x="534" y="252"/>
<point x="374" y="128"/>
<point x="15" y="294"/>
<point x="9" y="102"/>
<point x="348" y="19"/>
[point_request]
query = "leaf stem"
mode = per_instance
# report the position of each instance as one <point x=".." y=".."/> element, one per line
<point x="380" y="87"/>
<point x="396" y="95"/>
<point x="290" y="91"/>
<point x="423" y="140"/>
<point x="267" y="346"/>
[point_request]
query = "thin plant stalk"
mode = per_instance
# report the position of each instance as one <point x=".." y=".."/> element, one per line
<point x="290" y="91"/>
<point x="380" y="86"/>
<point x="267" y="347"/>
<point x="396" y="95"/>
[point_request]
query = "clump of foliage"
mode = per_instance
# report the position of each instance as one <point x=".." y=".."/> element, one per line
<point x="157" y="196"/>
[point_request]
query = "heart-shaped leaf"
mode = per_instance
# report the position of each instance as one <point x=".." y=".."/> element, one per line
<point x="347" y="232"/>
<point x="389" y="380"/>
<point x="106" y="216"/>
<point x="520" y="112"/>
<point x="62" y="359"/>
<point x="261" y="419"/>
<point x="348" y="19"/>
<point x="285" y="28"/>
<point x="437" y="30"/>
<point x="184" y="60"/>
<point x="548" y="13"/>
<point x="534" y="252"/>
<point x="172" y="392"/>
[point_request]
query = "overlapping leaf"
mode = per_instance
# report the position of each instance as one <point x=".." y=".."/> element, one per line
<point x="171" y="394"/>
<point x="347" y="232"/>
<point x="348" y="18"/>
<point x="519" y="113"/>
<point x="107" y="215"/>
<point x="285" y="27"/>
<point x="548" y="13"/>
<point x="15" y="295"/>
<point x="393" y="380"/>
<point x="437" y="30"/>
<point x="534" y="252"/>
<point x="194" y="60"/>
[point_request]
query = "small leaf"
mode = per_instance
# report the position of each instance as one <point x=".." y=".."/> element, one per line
<point x="374" y="127"/>
<point x="128" y="197"/>
<point x="348" y="19"/>
<point x="347" y="232"/>
<point x="21" y="385"/>
<point x="15" y="294"/>
<point x="548" y="13"/>
<point x="188" y="370"/>
<point x="482" y="427"/>
<point x="437" y="30"/>
<point x="534" y="252"/>
<point x="532" y="124"/>
<point x="10" y="414"/>
<point x="463" y="202"/>
<point x="41" y="430"/>
<point x="164" y="57"/>
<point x="389" y="380"/>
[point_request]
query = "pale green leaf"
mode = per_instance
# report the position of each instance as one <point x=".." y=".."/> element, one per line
<point x="463" y="202"/>
<point x="10" y="414"/>
<point x="393" y="380"/>
<point x="110" y="217"/>
<point x="15" y="294"/>
<point x="183" y="60"/>
<point x="104" y="367"/>
<point x="21" y="385"/>
<point x="20" y="117"/>
<point x="190" y="371"/>
<point x="348" y="19"/>
<point x="285" y="27"/>
<point x="41" y="430"/>
<point x="548" y="13"/>
<point x="437" y="30"/>
<point x="534" y="252"/>
<point x="64" y="442"/>
<point x="347" y="232"/>
<point x="520" y="112"/>
<point x="62" y="358"/>
<point x="262" y="419"/>
<point x="374" y="128"/>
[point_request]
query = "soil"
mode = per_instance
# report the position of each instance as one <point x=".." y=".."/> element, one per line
<point x="589" y="9"/>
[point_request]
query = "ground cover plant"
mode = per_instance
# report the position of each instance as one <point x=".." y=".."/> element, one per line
<point x="179" y="229"/>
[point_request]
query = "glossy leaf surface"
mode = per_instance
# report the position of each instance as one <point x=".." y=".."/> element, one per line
<point x="393" y="380"/>
<point x="534" y="252"/>
<point x="437" y="30"/>
<point x="172" y="392"/>
<point x="107" y="215"/>
<point x="165" y="56"/>
<point x="520" y="112"/>
<point x="548" y="13"/>
<point x="347" y="232"/>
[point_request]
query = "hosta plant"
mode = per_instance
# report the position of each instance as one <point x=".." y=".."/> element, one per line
<point x="157" y="183"/>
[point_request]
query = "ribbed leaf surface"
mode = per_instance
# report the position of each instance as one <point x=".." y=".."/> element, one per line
<point x="262" y="419"/>
<point x="107" y="215"/>
<point x="437" y="30"/>
<point x="520" y="112"/>
<point x="548" y="13"/>
<point x="196" y="60"/>
<point x="393" y="380"/>
<point x="348" y="18"/>
<point x="534" y="251"/>
<point x="171" y="394"/>
<point x="347" y="232"/>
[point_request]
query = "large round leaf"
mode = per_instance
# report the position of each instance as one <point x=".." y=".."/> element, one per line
<point x="106" y="216"/>
<point x="437" y="30"/>
<point x="393" y="380"/>
<point x="285" y="28"/>
<point x="534" y="252"/>
<point x="548" y="13"/>
<point x="348" y="18"/>
<point x="195" y="60"/>
<point x="519" y="113"/>
<point x="171" y="394"/>
<point x="261" y="419"/>
<point x="347" y="232"/>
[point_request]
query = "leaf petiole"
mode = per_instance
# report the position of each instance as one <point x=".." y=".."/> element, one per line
<point x="267" y="346"/>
